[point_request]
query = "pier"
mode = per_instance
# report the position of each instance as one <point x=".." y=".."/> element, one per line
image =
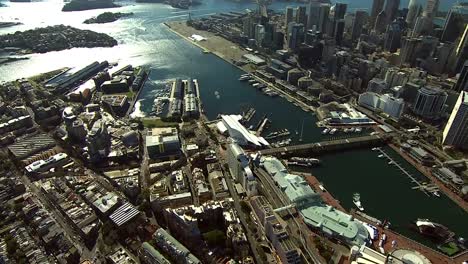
<point x="419" y="186"/>
<point x="248" y="115"/>
<point x="137" y="95"/>
<point x="327" y="146"/>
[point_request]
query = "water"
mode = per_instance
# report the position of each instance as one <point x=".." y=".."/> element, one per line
<point x="143" y="40"/>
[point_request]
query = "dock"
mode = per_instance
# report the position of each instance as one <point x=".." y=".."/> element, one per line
<point x="135" y="99"/>
<point x="248" y="115"/>
<point x="405" y="172"/>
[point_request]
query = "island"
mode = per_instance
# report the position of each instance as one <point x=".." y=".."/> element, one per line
<point x="106" y="17"/>
<point x="80" y="5"/>
<point x="9" y="24"/>
<point x="55" y="38"/>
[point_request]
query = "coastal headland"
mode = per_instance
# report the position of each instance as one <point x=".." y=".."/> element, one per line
<point x="55" y="38"/>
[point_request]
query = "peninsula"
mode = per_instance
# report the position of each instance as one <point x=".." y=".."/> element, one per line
<point x="80" y="5"/>
<point x="106" y="17"/>
<point x="55" y="38"/>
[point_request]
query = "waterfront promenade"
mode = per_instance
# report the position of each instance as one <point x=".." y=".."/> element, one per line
<point x="402" y="242"/>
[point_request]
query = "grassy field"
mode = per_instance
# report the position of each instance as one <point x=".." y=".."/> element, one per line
<point x="157" y="122"/>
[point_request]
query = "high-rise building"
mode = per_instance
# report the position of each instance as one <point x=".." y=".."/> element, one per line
<point x="301" y="15"/>
<point x="259" y="34"/>
<point x="461" y="52"/>
<point x="462" y="82"/>
<point x="380" y="22"/>
<point x="269" y="35"/>
<point x="295" y="35"/>
<point x="413" y="12"/>
<point x="323" y="18"/>
<point x="393" y="37"/>
<point x="313" y="15"/>
<point x="456" y="131"/>
<point x="408" y="50"/>
<point x="339" y="31"/>
<point x="430" y="102"/>
<point x="358" y="24"/>
<point x="289" y="15"/>
<point x="377" y="7"/>
<point x="339" y="11"/>
<point x="391" y="9"/>
<point x="455" y="22"/>
<point x="432" y="6"/>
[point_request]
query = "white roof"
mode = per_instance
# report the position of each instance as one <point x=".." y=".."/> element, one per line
<point x="239" y="133"/>
<point x="123" y="214"/>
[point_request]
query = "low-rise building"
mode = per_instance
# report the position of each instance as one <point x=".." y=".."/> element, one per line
<point x="178" y="252"/>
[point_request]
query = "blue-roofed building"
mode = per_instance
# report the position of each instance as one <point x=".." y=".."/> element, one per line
<point x="314" y="211"/>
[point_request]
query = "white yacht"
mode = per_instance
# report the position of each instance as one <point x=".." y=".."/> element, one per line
<point x="357" y="201"/>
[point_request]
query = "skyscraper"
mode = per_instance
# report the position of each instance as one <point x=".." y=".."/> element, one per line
<point x="323" y="18"/>
<point x="358" y="24"/>
<point x="455" y="22"/>
<point x="377" y="7"/>
<point x="339" y="30"/>
<point x="339" y="11"/>
<point x="381" y="22"/>
<point x="393" y="37"/>
<point x="413" y="12"/>
<point x="313" y="15"/>
<point x="432" y="6"/>
<point x="301" y="15"/>
<point x="289" y="15"/>
<point x="391" y="9"/>
<point x="259" y="34"/>
<point x="461" y="52"/>
<point x="462" y="82"/>
<point x="456" y="131"/>
<point x="295" y="35"/>
<point x="430" y="102"/>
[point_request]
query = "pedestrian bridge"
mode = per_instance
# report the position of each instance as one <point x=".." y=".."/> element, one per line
<point x="326" y="146"/>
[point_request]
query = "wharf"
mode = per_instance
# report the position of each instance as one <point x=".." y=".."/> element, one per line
<point x="262" y="126"/>
<point x="333" y="145"/>
<point x="402" y="242"/>
<point x="135" y="98"/>
<point x="427" y="172"/>
<point x="395" y="163"/>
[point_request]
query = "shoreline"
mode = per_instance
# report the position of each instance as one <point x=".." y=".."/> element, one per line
<point x="296" y="102"/>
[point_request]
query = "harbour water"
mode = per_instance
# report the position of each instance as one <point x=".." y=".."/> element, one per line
<point x="144" y="40"/>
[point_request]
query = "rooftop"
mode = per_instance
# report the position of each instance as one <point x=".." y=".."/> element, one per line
<point x="124" y="214"/>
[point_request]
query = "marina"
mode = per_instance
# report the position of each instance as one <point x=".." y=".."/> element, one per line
<point x="419" y="186"/>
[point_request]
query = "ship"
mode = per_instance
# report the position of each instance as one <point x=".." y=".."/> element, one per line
<point x="433" y="230"/>
<point x="357" y="201"/>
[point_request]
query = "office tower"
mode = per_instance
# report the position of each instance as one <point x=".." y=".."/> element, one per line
<point x="247" y="26"/>
<point x="392" y="106"/>
<point x="270" y="29"/>
<point x="413" y="12"/>
<point x="301" y="15"/>
<point x="314" y="14"/>
<point x="339" y="30"/>
<point x="393" y="37"/>
<point x="339" y="11"/>
<point x="462" y="81"/>
<point x="323" y="18"/>
<point x="430" y="102"/>
<point x="423" y="26"/>
<point x="442" y="54"/>
<point x="358" y="24"/>
<point x="461" y="53"/>
<point x="432" y="7"/>
<point x="289" y="15"/>
<point x="295" y="35"/>
<point x="391" y="9"/>
<point x="456" y="131"/>
<point x="377" y="7"/>
<point x="259" y="34"/>
<point x="455" y="22"/>
<point x="380" y="22"/>
<point x="408" y="50"/>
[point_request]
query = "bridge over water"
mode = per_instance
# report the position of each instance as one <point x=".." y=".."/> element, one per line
<point x="327" y="146"/>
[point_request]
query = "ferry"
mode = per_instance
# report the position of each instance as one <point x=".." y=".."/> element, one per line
<point x="325" y="131"/>
<point x="357" y="201"/>
<point x="333" y="131"/>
